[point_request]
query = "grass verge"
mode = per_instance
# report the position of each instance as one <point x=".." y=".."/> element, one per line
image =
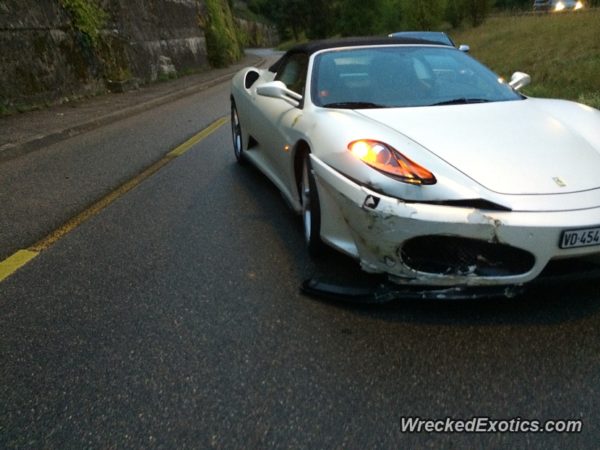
<point x="561" y="52"/>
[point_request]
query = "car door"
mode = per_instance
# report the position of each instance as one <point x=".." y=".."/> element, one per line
<point x="282" y="116"/>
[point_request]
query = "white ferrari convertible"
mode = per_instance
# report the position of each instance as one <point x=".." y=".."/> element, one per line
<point x="421" y="163"/>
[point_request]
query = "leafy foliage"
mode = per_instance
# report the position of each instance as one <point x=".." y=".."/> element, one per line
<point x="223" y="42"/>
<point x="455" y="12"/>
<point x="477" y="10"/>
<point x="423" y="14"/>
<point x="326" y="18"/>
<point x="292" y="17"/>
<point x="104" y="53"/>
<point x="88" y="17"/>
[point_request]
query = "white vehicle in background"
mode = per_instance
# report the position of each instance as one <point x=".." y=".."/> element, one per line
<point x="557" y="5"/>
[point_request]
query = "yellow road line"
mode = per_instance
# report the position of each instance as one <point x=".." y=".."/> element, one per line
<point x="22" y="257"/>
<point x="178" y="151"/>
<point x="14" y="262"/>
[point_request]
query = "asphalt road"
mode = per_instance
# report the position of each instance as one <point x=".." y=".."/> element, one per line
<point x="173" y="319"/>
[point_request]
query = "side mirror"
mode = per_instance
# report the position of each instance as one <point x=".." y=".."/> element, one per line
<point x="277" y="89"/>
<point x="464" y="48"/>
<point x="519" y="80"/>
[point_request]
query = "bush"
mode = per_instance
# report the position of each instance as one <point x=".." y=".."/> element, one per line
<point x="477" y="10"/>
<point x="223" y="43"/>
<point x="423" y="14"/>
<point x="87" y="17"/>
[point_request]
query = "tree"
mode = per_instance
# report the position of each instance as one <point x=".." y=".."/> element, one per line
<point x="455" y="12"/>
<point x="477" y="10"/>
<point x="360" y="18"/>
<point x="323" y="18"/>
<point x="423" y="14"/>
<point x="289" y="16"/>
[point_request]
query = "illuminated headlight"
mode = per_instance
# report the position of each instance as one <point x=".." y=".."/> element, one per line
<point x="559" y="6"/>
<point x="578" y="5"/>
<point x="385" y="159"/>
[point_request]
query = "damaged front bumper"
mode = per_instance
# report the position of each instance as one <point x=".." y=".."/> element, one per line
<point x="388" y="292"/>
<point x="426" y="244"/>
<point x="556" y="274"/>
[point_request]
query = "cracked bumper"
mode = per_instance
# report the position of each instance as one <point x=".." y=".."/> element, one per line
<point x="373" y="228"/>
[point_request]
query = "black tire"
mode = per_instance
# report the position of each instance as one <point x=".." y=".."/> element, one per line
<point x="311" y="208"/>
<point x="236" y="135"/>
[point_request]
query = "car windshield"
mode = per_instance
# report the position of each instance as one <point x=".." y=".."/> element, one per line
<point x="403" y="76"/>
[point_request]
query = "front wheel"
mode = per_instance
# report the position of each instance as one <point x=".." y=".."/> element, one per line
<point x="311" y="208"/>
<point x="236" y="134"/>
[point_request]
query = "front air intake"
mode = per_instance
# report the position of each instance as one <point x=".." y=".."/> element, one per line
<point x="453" y="255"/>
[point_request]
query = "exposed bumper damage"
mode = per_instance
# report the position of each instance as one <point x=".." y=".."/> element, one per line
<point x="387" y="292"/>
<point x="562" y="273"/>
<point x="422" y="244"/>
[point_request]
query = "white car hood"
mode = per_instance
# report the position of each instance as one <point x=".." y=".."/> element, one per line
<point x="515" y="147"/>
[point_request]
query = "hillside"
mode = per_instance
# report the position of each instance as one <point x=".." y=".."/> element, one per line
<point x="561" y="52"/>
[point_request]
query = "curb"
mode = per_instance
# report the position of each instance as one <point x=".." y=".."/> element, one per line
<point x="27" y="146"/>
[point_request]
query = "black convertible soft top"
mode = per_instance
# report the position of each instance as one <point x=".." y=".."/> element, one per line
<point x="315" y="46"/>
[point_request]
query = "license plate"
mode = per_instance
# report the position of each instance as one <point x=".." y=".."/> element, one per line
<point x="583" y="237"/>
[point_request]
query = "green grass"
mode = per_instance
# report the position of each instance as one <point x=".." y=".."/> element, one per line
<point x="561" y="52"/>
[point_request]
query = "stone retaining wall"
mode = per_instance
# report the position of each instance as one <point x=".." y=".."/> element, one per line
<point x="45" y="59"/>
